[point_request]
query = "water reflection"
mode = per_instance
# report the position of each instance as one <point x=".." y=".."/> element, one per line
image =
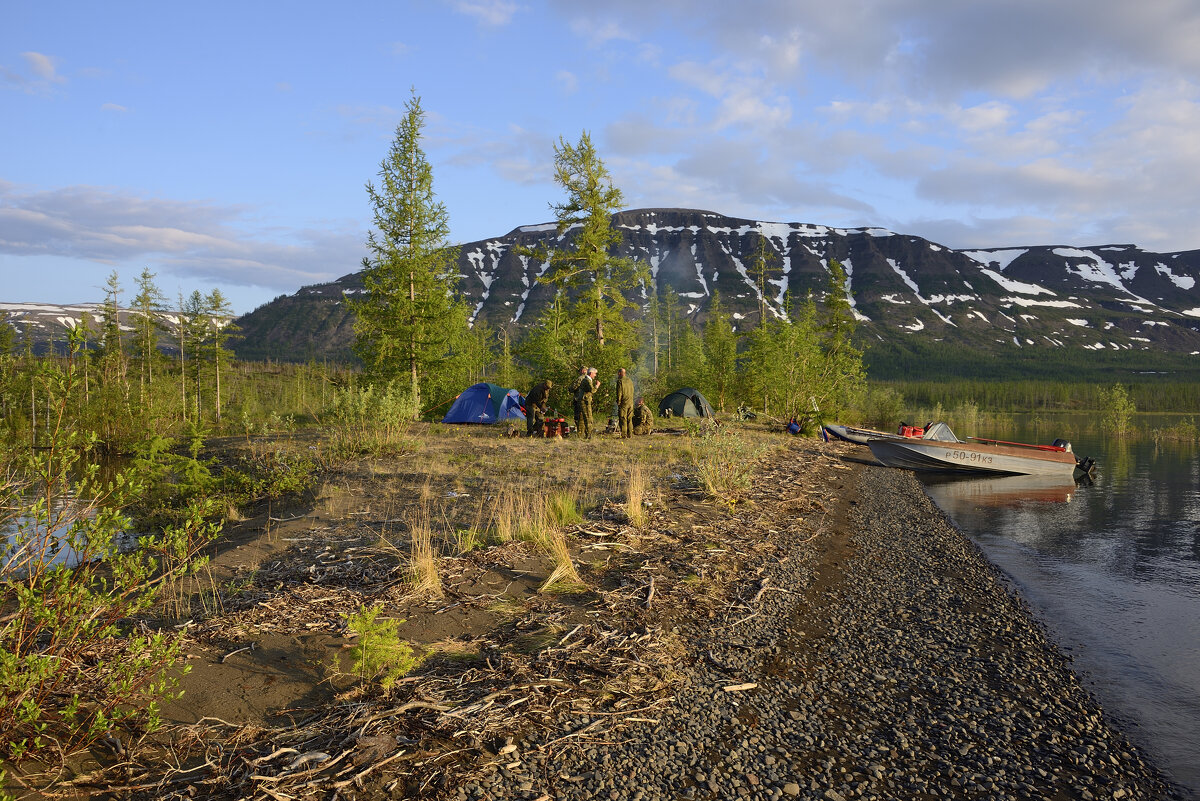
<point x="949" y="491"/>
<point x="1113" y="569"/>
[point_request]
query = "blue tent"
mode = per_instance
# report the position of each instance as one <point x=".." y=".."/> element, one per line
<point x="486" y="403"/>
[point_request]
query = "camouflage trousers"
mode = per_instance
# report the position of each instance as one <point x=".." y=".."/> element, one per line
<point x="626" y="414"/>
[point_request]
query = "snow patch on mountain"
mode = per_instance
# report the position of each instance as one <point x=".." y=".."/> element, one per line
<point x="1097" y="270"/>
<point x="1181" y="281"/>
<point x="1010" y="285"/>
<point x="1002" y="258"/>
<point x="848" y="266"/>
<point x="904" y="277"/>
<point x="1025" y="302"/>
<point x="944" y="318"/>
<point x="699" y="277"/>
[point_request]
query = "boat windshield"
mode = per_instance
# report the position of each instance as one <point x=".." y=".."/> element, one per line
<point x="940" y="432"/>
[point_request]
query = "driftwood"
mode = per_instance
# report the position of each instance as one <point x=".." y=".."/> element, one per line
<point x="452" y="719"/>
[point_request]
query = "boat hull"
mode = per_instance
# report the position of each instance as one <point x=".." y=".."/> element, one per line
<point x="965" y="457"/>
<point x="859" y="436"/>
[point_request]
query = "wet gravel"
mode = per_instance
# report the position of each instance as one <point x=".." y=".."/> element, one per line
<point x="898" y="667"/>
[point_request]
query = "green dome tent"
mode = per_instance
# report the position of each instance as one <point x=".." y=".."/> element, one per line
<point x="685" y="402"/>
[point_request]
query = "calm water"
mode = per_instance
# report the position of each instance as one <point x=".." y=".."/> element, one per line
<point x="1113" y="570"/>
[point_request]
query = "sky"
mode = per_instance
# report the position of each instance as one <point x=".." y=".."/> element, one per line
<point x="227" y="145"/>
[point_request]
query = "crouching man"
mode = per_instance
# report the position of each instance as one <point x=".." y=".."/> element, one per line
<point x="643" y="419"/>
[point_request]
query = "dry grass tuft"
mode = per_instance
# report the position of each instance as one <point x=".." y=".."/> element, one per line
<point x="422" y="562"/>
<point x="506" y="516"/>
<point x="635" y="496"/>
<point x="564" y="578"/>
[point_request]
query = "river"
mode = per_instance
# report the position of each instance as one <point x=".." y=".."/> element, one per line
<point x="1113" y="571"/>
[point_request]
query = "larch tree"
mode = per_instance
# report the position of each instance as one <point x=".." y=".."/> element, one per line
<point x="587" y="271"/>
<point x="763" y="260"/>
<point x="409" y="320"/>
<point x="220" y="330"/>
<point x="842" y="375"/>
<point x="148" y="306"/>
<point x="112" y="347"/>
<point x="193" y="330"/>
<point x="720" y="344"/>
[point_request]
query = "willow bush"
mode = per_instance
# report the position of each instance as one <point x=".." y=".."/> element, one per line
<point x="78" y="662"/>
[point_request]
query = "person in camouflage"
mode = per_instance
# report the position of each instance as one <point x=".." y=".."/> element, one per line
<point x="625" y="403"/>
<point x="587" y="388"/>
<point x="536" y="403"/>
<point x="576" y="402"/>
<point x="643" y="418"/>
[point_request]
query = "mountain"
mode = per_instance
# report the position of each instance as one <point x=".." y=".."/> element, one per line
<point x="904" y="288"/>
<point x="908" y="292"/>
<point x="46" y="324"/>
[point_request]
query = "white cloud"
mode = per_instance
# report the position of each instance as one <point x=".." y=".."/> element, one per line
<point x="992" y="116"/>
<point x="113" y="107"/>
<point x="1015" y="48"/>
<point x="567" y="81"/>
<point x="519" y="155"/>
<point x="43" y="67"/>
<point x="186" y="237"/>
<point x="40" y="74"/>
<point x="599" y="32"/>
<point x="489" y="12"/>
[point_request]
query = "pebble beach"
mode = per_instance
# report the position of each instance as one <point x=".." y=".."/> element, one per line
<point x="886" y="660"/>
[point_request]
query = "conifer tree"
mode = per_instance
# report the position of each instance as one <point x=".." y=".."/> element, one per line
<point x="220" y="329"/>
<point x="148" y="305"/>
<point x="843" y="375"/>
<point x="8" y="336"/>
<point x="409" y="319"/>
<point x="552" y="346"/>
<point x="839" y="314"/>
<point x="720" y="351"/>
<point x="112" y="350"/>
<point x="193" y="330"/>
<point x="587" y="272"/>
<point x="763" y="259"/>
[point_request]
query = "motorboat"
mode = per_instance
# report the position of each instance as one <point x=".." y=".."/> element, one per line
<point x="861" y="435"/>
<point x="947" y="453"/>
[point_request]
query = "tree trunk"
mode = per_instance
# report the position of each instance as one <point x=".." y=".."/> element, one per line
<point x="217" y="376"/>
<point x="412" y="347"/>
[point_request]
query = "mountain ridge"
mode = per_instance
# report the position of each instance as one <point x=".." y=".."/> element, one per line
<point x="904" y="288"/>
<point x="1112" y="296"/>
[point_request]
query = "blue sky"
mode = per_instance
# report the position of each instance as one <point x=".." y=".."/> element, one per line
<point x="227" y="144"/>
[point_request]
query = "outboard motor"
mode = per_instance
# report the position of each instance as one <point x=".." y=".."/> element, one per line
<point x="1086" y="465"/>
<point x="1062" y="443"/>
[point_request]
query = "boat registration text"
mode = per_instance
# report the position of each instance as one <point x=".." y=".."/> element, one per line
<point x="969" y="456"/>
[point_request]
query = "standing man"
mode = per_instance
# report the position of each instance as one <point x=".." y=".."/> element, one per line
<point x="536" y="403"/>
<point x="587" y="388"/>
<point x="625" y="403"/>
<point x="576" y="402"/>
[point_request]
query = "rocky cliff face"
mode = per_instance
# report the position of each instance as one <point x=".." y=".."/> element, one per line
<point x="1108" y="297"/>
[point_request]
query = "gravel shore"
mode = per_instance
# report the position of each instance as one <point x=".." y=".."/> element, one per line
<point x="884" y="660"/>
